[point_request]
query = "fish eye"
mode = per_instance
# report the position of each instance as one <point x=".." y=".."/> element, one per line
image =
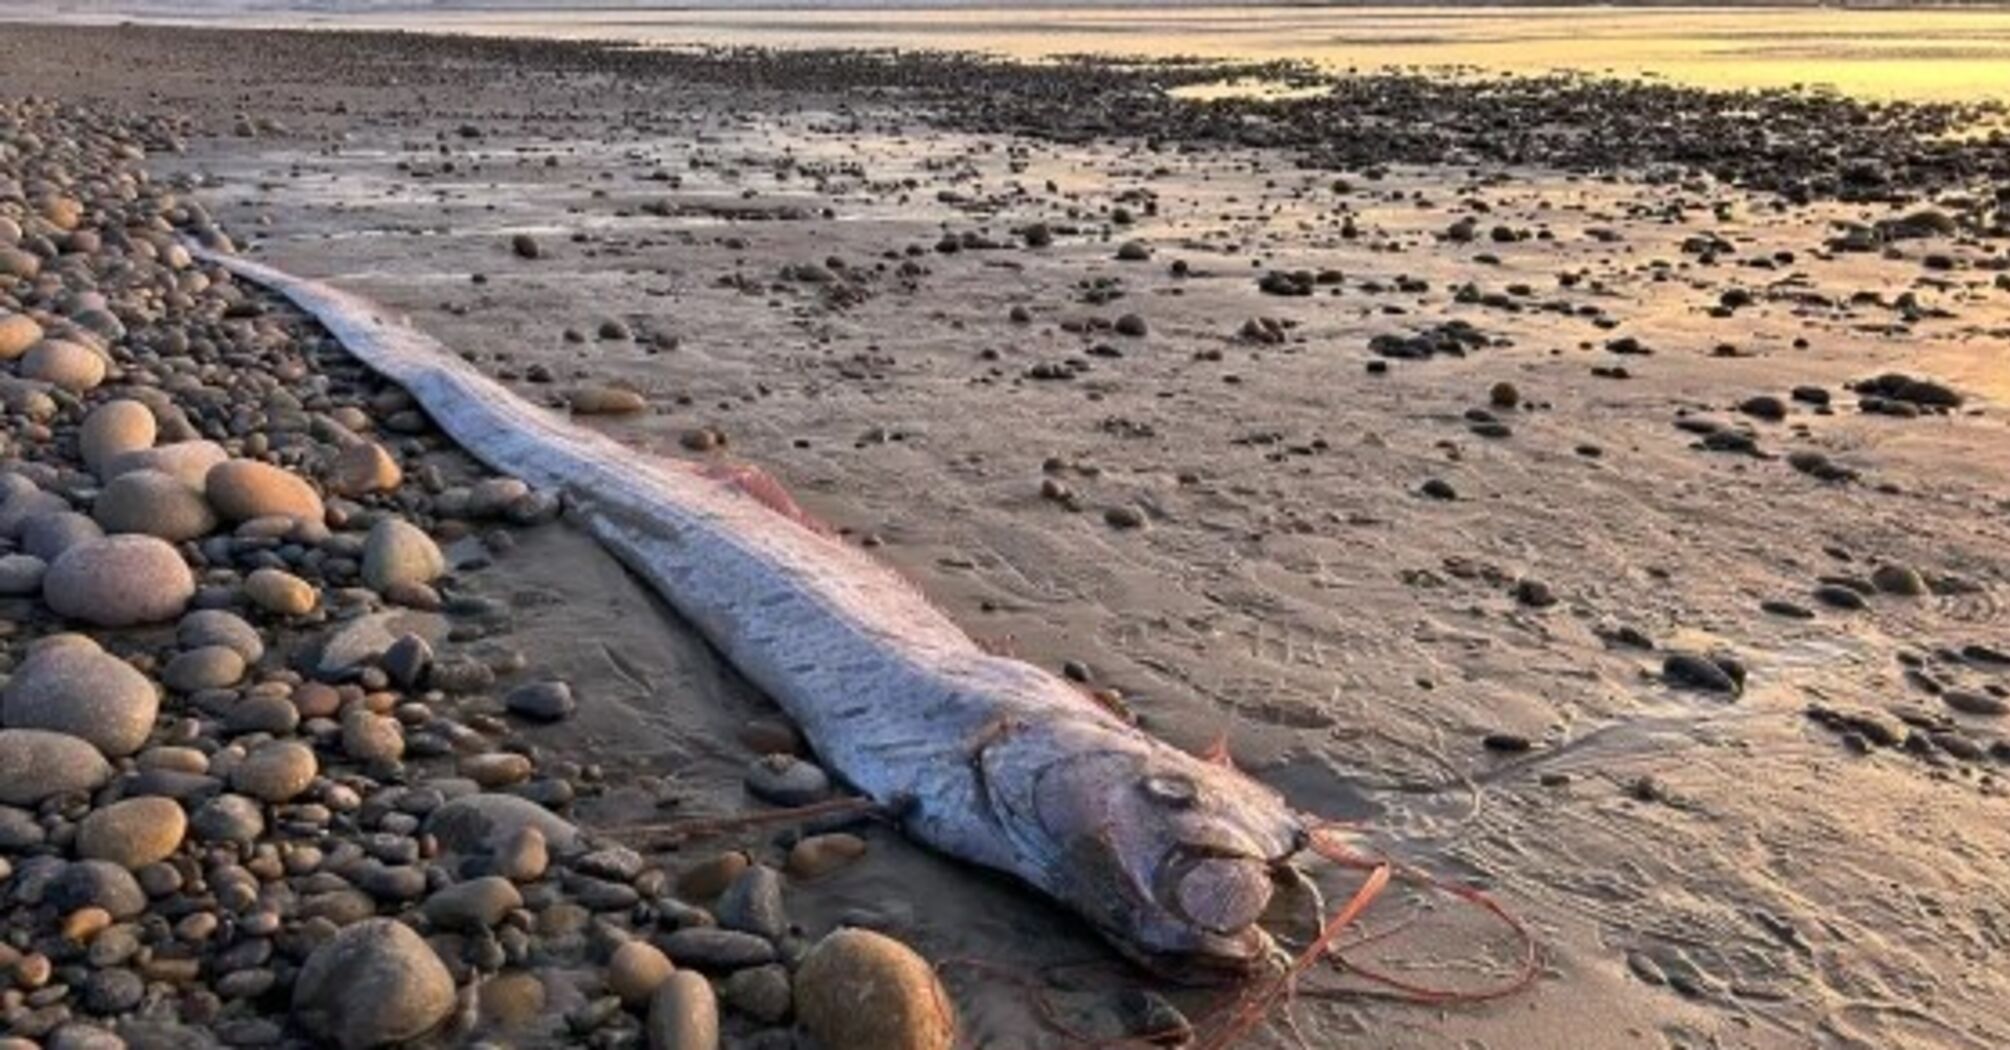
<point x="1172" y="789"/>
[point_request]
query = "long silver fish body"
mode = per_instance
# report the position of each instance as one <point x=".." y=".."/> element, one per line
<point x="983" y="757"/>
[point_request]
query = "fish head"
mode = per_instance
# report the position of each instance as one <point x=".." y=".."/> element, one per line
<point x="1173" y="858"/>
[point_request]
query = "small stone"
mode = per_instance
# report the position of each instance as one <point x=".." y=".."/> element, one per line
<point x="761" y="992"/>
<point x="473" y="905"/>
<point x="1504" y="395"/>
<point x="119" y="581"/>
<point x="398" y="552"/>
<point x="62" y="363"/>
<point x="407" y="661"/>
<point x="371" y="738"/>
<point x="818" y="855"/>
<point x="276" y="772"/>
<point x="36" y="764"/>
<point x="702" y="439"/>
<point x="133" y="833"/>
<point x="364" y="468"/>
<point x="1764" y="406"/>
<point x="373" y="983"/>
<point x="461" y="676"/>
<point x="605" y="400"/>
<point x="618" y="863"/>
<point x="1124" y="517"/>
<point x="684" y="1014"/>
<point x="281" y="593"/>
<point x="1534" y="593"/>
<point x="860" y="988"/>
<point x="354" y="643"/>
<point x="497" y="769"/>
<point x="205" y="667"/>
<point x="1790" y="610"/>
<point x="1898" y="580"/>
<point x="512" y="1000"/>
<point x="21" y="575"/>
<point x="261" y="712"/>
<point x="753" y="904"/>
<point x="786" y="780"/>
<point x="113" y="991"/>
<point x="85" y="924"/>
<point x="18" y="332"/>
<point x="525" y="246"/>
<point x="636" y="970"/>
<point x="391" y="883"/>
<point x="712" y="949"/>
<point x="523" y="856"/>
<point x="493" y="497"/>
<point x="709" y="878"/>
<point x="770" y="736"/>
<point x="1839" y="597"/>
<point x="17" y="263"/>
<point x="244" y="489"/>
<point x="482" y="823"/>
<point x="25" y="505"/>
<point x="85" y="692"/>
<point x="596" y="894"/>
<point x="178" y="759"/>
<point x="153" y="503"/>
<point x="96" y="884"/>
<point x="541" y="701"/>
<point x="32" y="971"/>
<point x="186" y="461"/>
<point x="113" y="429"/>
<point x="220" y="627"/>
<point x="20" y="832"/>
<point x="316" y="700"/>
<point x="1973" y="703"/>
<point x="228" y="819"/>
<point x="1698" y="672"/>
<point x="47" y="536"/>
<point x="1977" y="652"/>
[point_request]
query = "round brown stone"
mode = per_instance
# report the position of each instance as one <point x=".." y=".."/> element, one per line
<point x="119" y="581"/>
<point x="243" y="489"/>
<point x="60" y="362"/>
<point x="860" y="988"/>
<point x="134" y="832"/>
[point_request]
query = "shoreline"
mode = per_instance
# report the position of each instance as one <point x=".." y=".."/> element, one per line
<point x="1451" y="491"/>
<point x="1570" y="122"/>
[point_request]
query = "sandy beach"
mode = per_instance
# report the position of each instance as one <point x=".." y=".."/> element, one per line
<point x="1595" y="491"/>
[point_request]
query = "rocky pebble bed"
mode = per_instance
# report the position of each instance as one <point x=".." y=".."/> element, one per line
<point x="268" y="773"/>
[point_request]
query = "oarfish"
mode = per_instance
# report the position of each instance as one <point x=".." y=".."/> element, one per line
<point x="1172" y="857"/>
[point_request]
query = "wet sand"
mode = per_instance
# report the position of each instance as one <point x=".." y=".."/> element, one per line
<point x="1226" y="512"/>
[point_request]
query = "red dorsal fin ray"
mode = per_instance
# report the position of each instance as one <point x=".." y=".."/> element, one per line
<point x="1217" y="752"/>
<point x="762" y="488"/>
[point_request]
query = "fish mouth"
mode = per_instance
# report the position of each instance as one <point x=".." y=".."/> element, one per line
<point x="1215" y="891"/>
<point x="1209" y="969"/>
<point x="1211" y="904"/>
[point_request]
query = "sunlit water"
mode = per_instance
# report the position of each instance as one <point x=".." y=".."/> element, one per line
<point x="1877" y="54"/>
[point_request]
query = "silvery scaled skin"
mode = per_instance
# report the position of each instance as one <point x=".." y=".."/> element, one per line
<point x="983" y="757"/>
